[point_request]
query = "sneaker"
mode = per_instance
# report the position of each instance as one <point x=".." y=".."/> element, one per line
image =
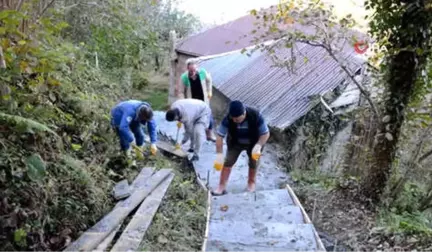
<point x="195" y="157"/>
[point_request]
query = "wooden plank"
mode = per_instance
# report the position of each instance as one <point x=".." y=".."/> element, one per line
<point x="96" y="234"/>
<point x="168" y="147"/>
<point x="306" y="218"/>
<point x="144" y="174"/>
<point x="133" y="234"/>
<point x="107" y="241"/>
<point x="206" y="233"/>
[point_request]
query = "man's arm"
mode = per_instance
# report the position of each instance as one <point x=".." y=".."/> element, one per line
<point x="151" y="127"/>
<point x="263" y="139"/>
<point x="221" y="133"/>
<point x="263" y="131"/>
<point x="209" y="84"/>
<point x="185" y="91"/>
<point x="185" y="82"/>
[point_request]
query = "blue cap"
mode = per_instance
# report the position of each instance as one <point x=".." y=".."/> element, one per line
<point x="236" y="109"/>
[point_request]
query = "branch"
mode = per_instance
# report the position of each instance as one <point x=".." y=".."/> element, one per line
<point x="424" y="156"/>
<point x="20" y="3"/>
<point x="364" y="92"/>
<point x="2" y="59"/>
<point x="46" y="8"/>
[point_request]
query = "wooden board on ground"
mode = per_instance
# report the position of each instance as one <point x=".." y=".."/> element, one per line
<point x="144" y="174"/>
<point x="107" y="241"/>
<point x="96" y="234"/>
<point x="168" y="147"/>
<point x="133" y="234"/>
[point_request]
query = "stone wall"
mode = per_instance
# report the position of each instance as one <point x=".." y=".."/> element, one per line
<point x="316" y="140"/>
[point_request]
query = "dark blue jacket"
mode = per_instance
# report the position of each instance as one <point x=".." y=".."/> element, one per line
<point x="126" y="113"/>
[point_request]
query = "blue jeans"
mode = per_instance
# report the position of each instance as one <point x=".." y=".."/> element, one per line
<point x="137" y="132"/>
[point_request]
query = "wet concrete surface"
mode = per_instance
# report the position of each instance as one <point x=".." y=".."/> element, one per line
<point x="266" y="220"/>
<point x="269" y="176"/>
<point x="251" y="235"/>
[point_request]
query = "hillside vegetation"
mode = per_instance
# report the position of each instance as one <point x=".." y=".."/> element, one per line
<point x="64" y="64"/>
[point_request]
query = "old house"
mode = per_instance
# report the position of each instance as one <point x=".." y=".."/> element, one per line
<point x="299" y="104"/>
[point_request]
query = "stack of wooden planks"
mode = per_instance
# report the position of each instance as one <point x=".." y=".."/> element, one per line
<point x="146" y="194"/>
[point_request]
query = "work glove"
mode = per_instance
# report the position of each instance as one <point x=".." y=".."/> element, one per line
<point x="218" y="163"/>
<point x="256" y="152"/>
<point x="179" y="125"/>
<point x="209" y="96"/>
<point x="153" y="149"/>
<point x="138" y="151"/>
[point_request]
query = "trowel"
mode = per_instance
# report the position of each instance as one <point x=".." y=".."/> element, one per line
<point x="165" y="144"/>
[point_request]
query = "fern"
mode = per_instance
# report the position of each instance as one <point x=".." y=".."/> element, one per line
<point x="28" y="124"/>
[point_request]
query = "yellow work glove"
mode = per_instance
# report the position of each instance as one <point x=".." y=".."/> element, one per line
<point x="256" y="152"/>
<point x="138" y="151"/>
<point x="153" y="149"/>
<point x="218" y="163"/>
<point x="209" y="96"/>
<point x="179" y="125"/>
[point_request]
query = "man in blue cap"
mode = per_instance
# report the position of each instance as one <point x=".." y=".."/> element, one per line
<point x="246" y="130"/>
<point x="126" y="119"/>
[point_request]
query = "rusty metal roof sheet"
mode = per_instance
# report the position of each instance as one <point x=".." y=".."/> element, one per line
<point x="281" y="95"/>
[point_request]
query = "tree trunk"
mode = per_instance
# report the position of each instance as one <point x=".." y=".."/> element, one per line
<point x="403" y="70"/>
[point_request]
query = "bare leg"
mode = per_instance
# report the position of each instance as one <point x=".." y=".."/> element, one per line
<point x="210" y="136"/>
<point x="251" y="179"/>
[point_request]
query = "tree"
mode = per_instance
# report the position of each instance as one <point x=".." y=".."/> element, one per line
<point x="403" y="33"/>
<point x="403" y="29"/>
<point x="313" y="23"/>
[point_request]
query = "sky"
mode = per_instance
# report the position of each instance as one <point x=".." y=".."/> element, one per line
<point x="222" y="11"/>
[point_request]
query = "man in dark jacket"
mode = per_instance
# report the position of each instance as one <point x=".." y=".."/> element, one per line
<point x="245" y="130"/>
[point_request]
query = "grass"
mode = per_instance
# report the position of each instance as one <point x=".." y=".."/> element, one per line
<point x="180" y="222"/>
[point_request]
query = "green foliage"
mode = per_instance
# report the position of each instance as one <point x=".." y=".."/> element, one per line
<point x="52" y="91"/>
<point x="25" y="124"/>
<point x="314" y="179"/>
<point x="405" y="223"/>
<point x="20" y="237"/>
<point x="35" y="167"/>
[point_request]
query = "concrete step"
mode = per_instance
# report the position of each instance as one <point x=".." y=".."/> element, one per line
<point x="218" y="246"/>
<point x="278" y="197"/>
<point x="253" y="236"/>
<point x="268" y="176"/>
<point x="257" y="212"/>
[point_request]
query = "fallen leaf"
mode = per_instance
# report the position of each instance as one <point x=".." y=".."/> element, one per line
<point x="162" y="239"/>
<point x="224" y="208"/>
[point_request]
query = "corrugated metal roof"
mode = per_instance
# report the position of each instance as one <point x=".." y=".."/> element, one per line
<point x="236" y="35"/>
<point x="281" y="95"/>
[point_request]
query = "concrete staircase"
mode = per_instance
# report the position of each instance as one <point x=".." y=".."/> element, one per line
<point x="270" y="219"/>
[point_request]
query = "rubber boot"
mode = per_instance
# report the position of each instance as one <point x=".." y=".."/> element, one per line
<point x="251" y="180"/>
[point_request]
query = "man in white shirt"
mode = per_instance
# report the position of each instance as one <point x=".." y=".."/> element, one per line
<point x="195" y="116"/>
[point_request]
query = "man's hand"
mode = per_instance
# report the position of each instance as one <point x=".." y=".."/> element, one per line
<point x="218" y="164"/>
<point x="153" y="149"/>
<point x="256" y="151"/>
<point x="209" y="96"/>
<point x="179" y="125"/>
